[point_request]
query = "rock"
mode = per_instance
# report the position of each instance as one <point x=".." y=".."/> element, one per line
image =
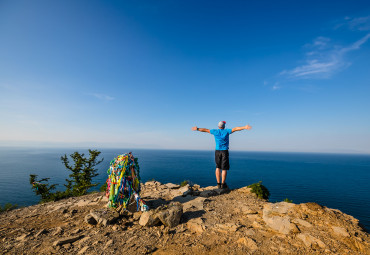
<point x="81" y="241"/>
<point x="276" y="217"/>
<point x="67" y="246"/>
<point x="183" y="191"/>
<point x="222" y="191"/>
<point x="182" y="199"/>
<point x="278" y="208"/>
<point x="152" y="183"/>
<point x="41" y="232"/>
<point x="171" y="186"/>
<point x="110" y="242"/>
<point x="172" y="215"/>
<point x="76" y="231"/>
<point x="196" y="186"/>
<point x="104" y="216"/>
<point x="73" y="212"/>
<point x="82" y="202"/>
<point x="196" y="225"/>
<point x="227" y="227"/>
<point x="302" y="223"/>
<point x="66" y="240"/>
<point x="250" y="211"/>
<point x="309" y="240"/>
<point x="58" y="231"/>
<point x="250" y="232"/>
<point x="149" y="219"/>
<point x="281" y="224"/>
<point x="256" y="224"/>
<point x="312" y="208"/>
<point x="340" y="231"/>
<point x="249" y="242"/>
<point x="208" y="193"/>
<point x="22" y="237"/>
<point x="194" y="204"/>
<point x="83" y="250"/>
<point x="137" y="215"/>
<point x="90" y="220"/>
<point x="245" y="190"/>
<point x="149" y="249"/>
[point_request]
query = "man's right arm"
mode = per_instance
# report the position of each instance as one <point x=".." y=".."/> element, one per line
<point x="200" y="129"/>
<point x="246" y="127"/>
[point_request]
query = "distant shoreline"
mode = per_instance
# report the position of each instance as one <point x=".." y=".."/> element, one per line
<point x="74" y="148"/>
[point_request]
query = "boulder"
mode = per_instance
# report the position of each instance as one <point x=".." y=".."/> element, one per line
<point x="208" y="193"/>
<point x="104" y="216"/>
<point x="172" y="215"/>
<point x="149" y="219"/>
<point x="196" y="225"/>
<point x="171" y="186"/>
<point x="276" y="217"/>
<point x="340" y="231"/>
<point x="194" y="204"/>
<point x="90" y="219"/>
<point x="281" y="224"/>
<point x="183" y="191"/>
<point x="169" y="215"/>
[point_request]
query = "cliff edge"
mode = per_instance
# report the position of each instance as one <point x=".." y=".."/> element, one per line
<point x="182" y="220"/>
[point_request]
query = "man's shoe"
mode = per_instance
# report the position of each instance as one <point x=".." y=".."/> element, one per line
<point x="219" y="186"/>
<point x="224" y="186"/>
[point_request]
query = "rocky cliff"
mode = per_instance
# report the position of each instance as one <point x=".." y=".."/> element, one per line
<point x="182" y="220"/>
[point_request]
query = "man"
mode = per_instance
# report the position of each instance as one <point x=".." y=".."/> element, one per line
<point x="222" y="149"/>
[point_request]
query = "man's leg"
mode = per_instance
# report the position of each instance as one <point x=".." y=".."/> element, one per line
<point x="218" y="175"/>
<point x="224" y="174"/>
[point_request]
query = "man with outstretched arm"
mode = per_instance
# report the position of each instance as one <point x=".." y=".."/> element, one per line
<point x="222" y="149"/>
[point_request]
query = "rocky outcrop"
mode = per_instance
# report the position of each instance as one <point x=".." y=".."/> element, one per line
<point x="104" y="216"/>
<point x="182" y="220"/>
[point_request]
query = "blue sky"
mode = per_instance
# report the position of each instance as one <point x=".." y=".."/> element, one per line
<point x="140" y="74"/>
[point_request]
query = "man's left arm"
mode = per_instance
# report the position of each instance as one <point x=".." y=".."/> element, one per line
<point x="206" y="130"/>
<point x="246" y="127"/>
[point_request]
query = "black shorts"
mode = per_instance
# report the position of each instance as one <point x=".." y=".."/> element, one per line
<point x="222" y="159"/>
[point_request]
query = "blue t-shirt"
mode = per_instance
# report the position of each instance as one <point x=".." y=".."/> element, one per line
<point x="221" y="138"/>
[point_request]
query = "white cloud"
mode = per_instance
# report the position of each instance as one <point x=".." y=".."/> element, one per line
<point x="324" y="59"/>
<point x="102" y="97"/>
<point x="321" y="42"/>
<point x="360" y="23"/>
<point x="275" y="86"/>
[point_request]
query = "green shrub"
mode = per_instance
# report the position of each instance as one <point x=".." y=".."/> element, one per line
<point x="8" y="207"/>
<point x="288" y="200"/>
<point x="260" y="190"/>
<point x="83" y="171"/>
<point x="184" y="183"/>
<point x="103" y="188"/>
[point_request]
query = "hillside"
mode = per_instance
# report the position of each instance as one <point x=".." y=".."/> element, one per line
<point x="186" y="220"/>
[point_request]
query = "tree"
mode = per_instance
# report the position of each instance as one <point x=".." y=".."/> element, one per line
<point x="83" y="172"/>
<point x="42" y="187"/>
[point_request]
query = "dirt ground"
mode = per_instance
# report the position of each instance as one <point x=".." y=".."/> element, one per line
<point x="232" y="223"/>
